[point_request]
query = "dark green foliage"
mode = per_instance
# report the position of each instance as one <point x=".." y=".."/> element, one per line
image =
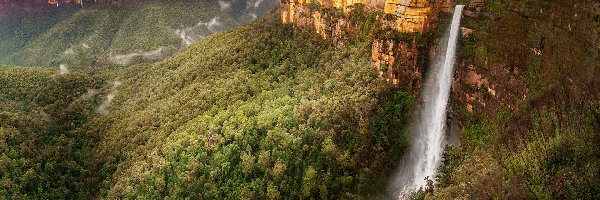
<point x="479" y="131"/>
<point x="392" y="117"/>
<point x="389" y="33"/>
<point x="364" y="21"/>
<point x="41" y="154"/>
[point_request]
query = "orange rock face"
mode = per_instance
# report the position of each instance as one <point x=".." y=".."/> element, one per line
<point x="57" y="2"/>
<point x="394" y="61"/>
<point x="416" y="15"/>
<point x="409" y="15"/>
<point x="299" y="14"/>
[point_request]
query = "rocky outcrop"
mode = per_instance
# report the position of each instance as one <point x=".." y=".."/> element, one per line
<point x="59" y="2"/>
<point x="415" y="15"/>
<point x="405" y="16"/>
<point x="394" y="60"/>
<point x="324" y="24"/>
<point x="522" y="58"/>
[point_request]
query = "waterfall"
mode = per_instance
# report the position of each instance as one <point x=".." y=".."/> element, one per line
<point x="428" y="139"/>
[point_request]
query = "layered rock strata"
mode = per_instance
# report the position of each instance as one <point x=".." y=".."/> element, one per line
<point x="394" y="60"/>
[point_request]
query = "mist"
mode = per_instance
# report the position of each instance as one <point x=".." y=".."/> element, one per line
<point x="104" y="107"/>
<point x="63" y="69"/>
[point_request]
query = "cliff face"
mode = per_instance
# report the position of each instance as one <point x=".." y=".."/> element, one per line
<point x="395" y="59"/>
<point x="406" y="16"/>
<point x="415" y="15"/>
<point x="58" y="2"/>
<point x="514" y="58"/>
<point x="396" y="62"/>
<point x="526" y="98"/>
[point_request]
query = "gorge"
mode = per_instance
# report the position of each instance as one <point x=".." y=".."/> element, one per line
<point x="395" y="60"/>
<point x="300" y="99"/>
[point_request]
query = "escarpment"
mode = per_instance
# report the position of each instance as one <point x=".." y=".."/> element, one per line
<point x="511" y="58"/>
<point x="401" y="25"/>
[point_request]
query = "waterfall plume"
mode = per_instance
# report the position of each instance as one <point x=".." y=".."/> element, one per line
<point x="428" y="137"/>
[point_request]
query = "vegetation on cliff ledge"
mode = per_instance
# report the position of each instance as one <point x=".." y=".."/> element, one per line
<point x="535" y="126"/>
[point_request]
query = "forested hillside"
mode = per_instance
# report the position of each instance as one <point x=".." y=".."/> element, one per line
<point x="263" y="111"/>
<point x="275" y="115"/>
<point x="41" y="154"/>
<point x="19" y="28"/>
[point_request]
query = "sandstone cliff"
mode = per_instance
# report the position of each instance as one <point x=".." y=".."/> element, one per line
<point x="395" y="54"/>
<point x="538" y="47"/>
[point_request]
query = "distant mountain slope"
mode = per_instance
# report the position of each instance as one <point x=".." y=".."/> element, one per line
<point x="247" y="10"/>
<point x="112" y="34"/>
<point x="166" y="27"/>
<point x="78" y="40"/>
<point x="20" y="27"/>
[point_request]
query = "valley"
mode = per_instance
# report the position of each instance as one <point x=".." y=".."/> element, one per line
<point x="300" y="99"/>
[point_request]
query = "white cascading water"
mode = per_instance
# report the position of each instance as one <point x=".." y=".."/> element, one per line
<point x="428" y="139"/>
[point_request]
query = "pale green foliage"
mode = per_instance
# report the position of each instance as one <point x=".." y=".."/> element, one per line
<point x="309" y="182"/>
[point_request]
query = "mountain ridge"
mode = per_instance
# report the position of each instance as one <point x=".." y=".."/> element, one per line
<point x="123" y="34"/>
